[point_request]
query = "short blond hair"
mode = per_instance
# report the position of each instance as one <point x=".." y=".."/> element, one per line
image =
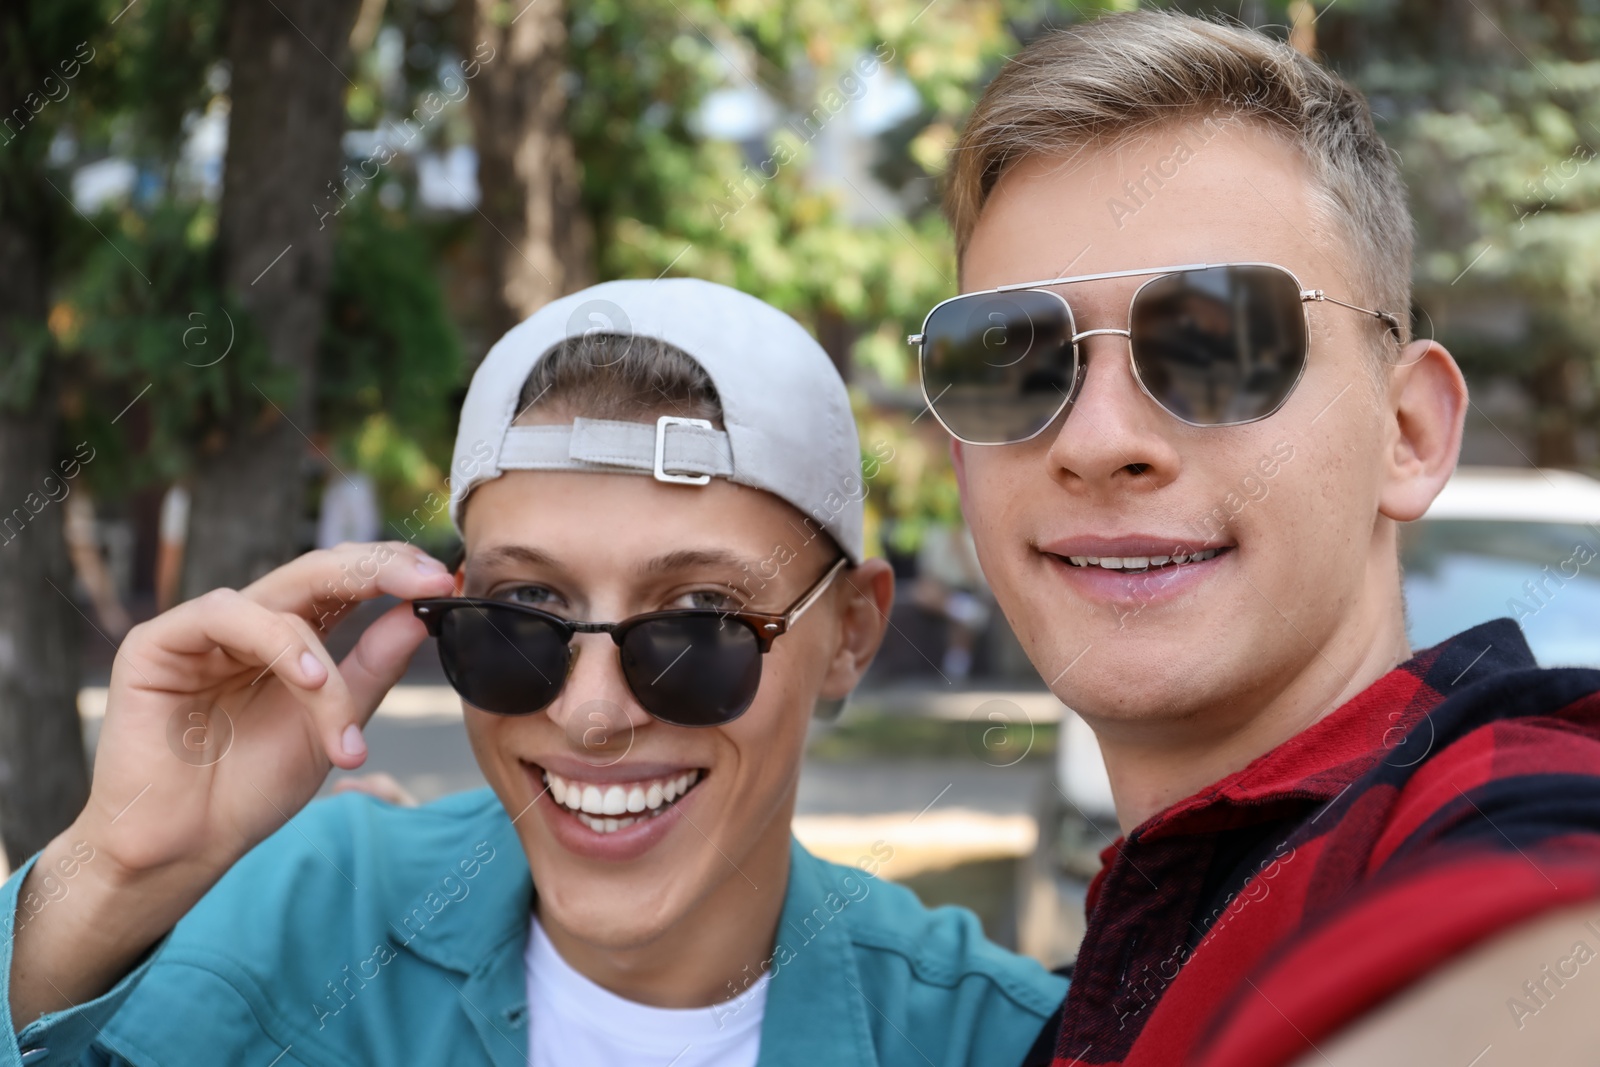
<point x="1102" y="83"/>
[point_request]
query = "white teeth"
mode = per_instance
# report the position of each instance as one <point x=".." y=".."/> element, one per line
<point x="1139" y="563"/>
<point x="588" y="801"/>
<point x="616" y="800"/>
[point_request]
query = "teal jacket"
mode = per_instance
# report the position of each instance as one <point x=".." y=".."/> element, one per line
<point x="362" y="933"/>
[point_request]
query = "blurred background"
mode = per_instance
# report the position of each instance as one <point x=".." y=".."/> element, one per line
<point x="251" y="252"/>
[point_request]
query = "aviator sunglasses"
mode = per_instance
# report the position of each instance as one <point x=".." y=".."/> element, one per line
<point x="687" y="667"/>
<point x="1213" y="344"/>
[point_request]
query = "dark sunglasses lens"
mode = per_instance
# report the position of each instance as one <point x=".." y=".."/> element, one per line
<point x="998" y="367"/>
<point x="1222" y="345"/>
<point x="502" y="660"/>
<point x="692" y="670"/>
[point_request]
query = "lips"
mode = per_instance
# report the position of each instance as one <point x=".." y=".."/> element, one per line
<point x="1134" y="552"/>
<point x="1142" y="569"/>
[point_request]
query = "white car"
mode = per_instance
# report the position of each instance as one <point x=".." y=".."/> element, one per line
<point x="1503" y="541"/>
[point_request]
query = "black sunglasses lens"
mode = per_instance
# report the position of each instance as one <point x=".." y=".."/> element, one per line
<point x="999" y="367"/>
<point x="692" y="669"/>
<point x="502" y="660"/>
<point x="1222" y="345"/>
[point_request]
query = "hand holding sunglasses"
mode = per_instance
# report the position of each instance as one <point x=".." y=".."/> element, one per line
<point x="1212" y="344"/>
<point x="687" y="667"/>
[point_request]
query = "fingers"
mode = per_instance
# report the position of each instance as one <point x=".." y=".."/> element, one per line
<point x="322" y="586"/>
<point x="380" y="658"/>
<point x="281" y="644"/>
<point x="379" y="785"/>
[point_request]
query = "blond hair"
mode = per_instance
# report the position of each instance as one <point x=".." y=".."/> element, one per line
<point x="1105" y="82"/>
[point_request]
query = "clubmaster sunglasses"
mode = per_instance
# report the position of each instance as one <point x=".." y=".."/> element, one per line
<point x="1214" y="344"/>
<point x="689" y="667"/>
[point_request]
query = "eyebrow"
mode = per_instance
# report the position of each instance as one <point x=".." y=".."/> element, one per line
<point x="502" y="555"/>
<point x="682" y="559"/>
<point x="687" y="558"/>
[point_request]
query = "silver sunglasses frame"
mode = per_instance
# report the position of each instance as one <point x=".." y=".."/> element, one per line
<point x="1155" y="274"/>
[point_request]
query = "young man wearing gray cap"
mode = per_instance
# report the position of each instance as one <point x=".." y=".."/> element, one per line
<point x="638" y="657"/>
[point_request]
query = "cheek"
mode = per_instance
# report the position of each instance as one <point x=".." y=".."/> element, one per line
<point x="489" y="737"/>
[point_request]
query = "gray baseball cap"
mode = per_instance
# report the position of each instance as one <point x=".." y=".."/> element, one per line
<point x="786" y="412"/>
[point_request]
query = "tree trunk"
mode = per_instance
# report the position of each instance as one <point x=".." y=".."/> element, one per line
<point x="1560" y="396"/>
<point x="537" y="242"/>
<point x="283" y="169"/>
<point x="44" y="780"/>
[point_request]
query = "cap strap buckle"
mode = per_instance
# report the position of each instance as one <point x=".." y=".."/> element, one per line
<point x="659" y="470"/>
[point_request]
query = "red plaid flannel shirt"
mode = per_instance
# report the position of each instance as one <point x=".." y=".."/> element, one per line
<point x="1456" y="797"/>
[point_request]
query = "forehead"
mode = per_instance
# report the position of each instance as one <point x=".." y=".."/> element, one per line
<point x="1203" y="191"/>
<point x="619" y="519"/>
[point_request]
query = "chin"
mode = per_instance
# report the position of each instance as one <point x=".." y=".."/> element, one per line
<point x="617" y="914"/>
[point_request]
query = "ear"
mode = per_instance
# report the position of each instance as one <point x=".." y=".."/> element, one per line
<point x="1428" y="401"/>
<point x="867" y="593"/>
<point x="958" y="460"/>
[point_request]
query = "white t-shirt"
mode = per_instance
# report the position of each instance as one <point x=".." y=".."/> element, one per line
<point x="573" y="1022"/>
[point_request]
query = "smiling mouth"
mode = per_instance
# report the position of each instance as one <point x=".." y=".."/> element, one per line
<point x="606" y="807"/>
<point x="1143" y="564"/>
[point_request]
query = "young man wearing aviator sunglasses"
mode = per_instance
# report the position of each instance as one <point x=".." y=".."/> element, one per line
<point x="663" y="576"/>
<point x="1334" y="850"/>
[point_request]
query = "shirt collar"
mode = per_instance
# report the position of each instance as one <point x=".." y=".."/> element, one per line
<point x="461" y="936"/>
<point x="813" y="968"/>
<point x="1317" y="764"/>
<point x="817" y="1003"/>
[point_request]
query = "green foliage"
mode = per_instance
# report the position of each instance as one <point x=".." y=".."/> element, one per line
<point x="666" y="198"/>
<point x="144" y="319"/>
<point x="388" y="344"/>
<point x="1498" y="125"/>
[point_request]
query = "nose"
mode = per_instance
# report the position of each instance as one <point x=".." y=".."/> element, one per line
<point x="1114" y="436"/>
<point x="595" y="708"/>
